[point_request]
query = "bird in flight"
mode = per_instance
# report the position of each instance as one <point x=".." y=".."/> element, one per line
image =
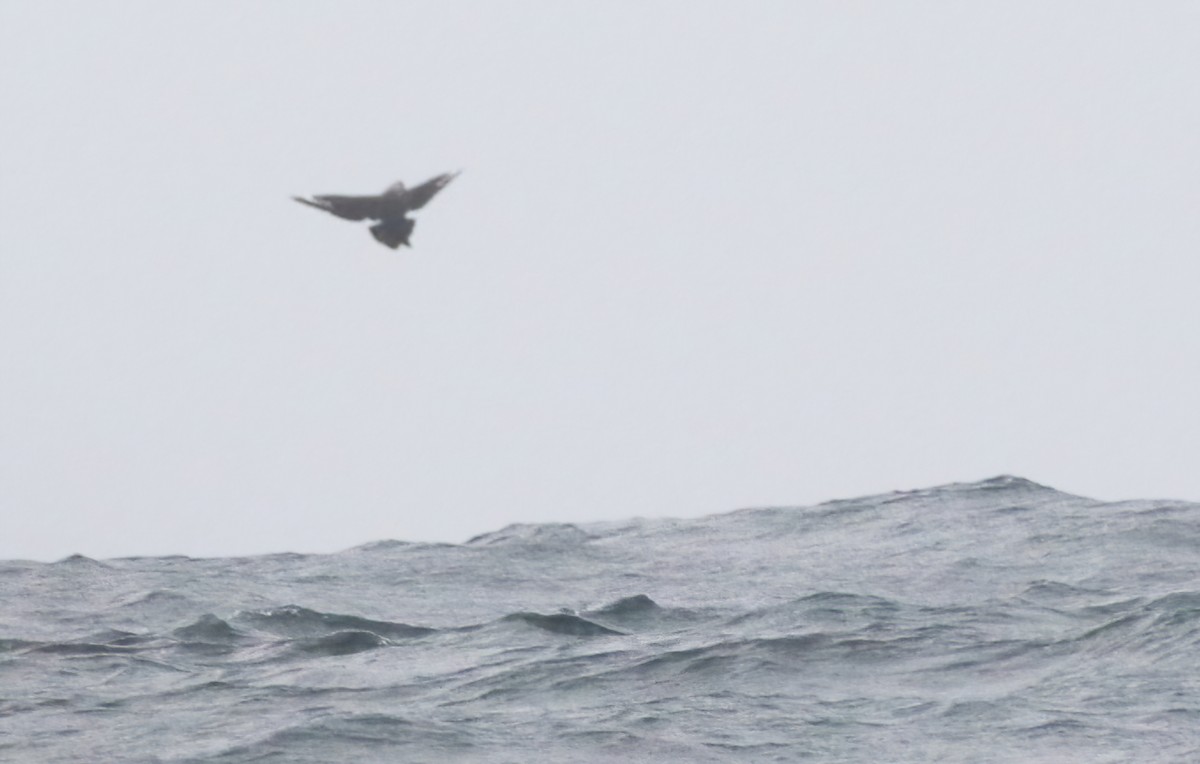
<point x="390" y="208"/>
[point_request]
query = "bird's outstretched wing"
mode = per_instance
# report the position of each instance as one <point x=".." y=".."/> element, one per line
<point x="347" y="207"/>
<point x="417" y="197"/>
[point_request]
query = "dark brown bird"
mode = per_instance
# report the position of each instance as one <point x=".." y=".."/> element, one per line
<point x="390" y="208"/>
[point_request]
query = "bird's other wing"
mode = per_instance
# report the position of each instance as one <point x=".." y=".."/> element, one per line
<point x="417" y="197"/>
<point x="347" y="207"/>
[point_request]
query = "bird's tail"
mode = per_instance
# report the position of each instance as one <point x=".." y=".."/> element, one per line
<point x="392" y="233"/>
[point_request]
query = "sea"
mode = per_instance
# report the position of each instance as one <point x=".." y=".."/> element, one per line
<point x="994" y="621"/>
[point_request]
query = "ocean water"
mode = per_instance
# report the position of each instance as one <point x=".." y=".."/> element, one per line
<point x="999" y="621"/>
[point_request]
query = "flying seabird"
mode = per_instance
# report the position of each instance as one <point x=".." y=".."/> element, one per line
<point x="390" y="208"/>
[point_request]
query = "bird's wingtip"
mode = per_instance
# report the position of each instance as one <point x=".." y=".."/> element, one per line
<point x="310" y="203"/>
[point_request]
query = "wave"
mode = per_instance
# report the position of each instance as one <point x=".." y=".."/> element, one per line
<point x="16" y="645"/>
<point x="635" y="605"/>
<point x="208" y="629"/>
<point x="82" y="648"/>
<point x="79" y="561"/>
<point x="296" y="621"/>
<point x="545" y="534"/>
<point x="639" y="613"/>
<point x="563" y="623"/>
<point x="342" y="643"/>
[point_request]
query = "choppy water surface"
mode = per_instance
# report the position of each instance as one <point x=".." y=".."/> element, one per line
<point x="996" y="621"/>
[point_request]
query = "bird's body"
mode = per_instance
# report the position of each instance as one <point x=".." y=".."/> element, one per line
<point x="390" y="208"/>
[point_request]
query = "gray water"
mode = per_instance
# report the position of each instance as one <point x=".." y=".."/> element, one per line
<point x="997" y="621"/>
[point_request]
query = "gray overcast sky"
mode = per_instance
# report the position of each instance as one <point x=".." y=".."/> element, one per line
<point x="702" y="256"/>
